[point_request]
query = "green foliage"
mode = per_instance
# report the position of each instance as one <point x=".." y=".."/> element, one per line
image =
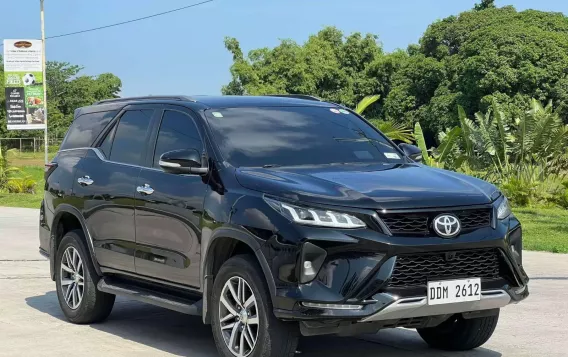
<point x="365" y="103"/>
<point x="526" y="156"/>
<point x="474" y="59"/>
<point x="502" y="144"/>
<point x="394" y="131"/>
<point x="5" y="170"/>
<point x="494" y="54"/>
<point x="328" y="65"/>
<point x="484" y="4"/>
<point x="14" y="184"/>
<point x="21" y="184"/>
<point x="440" y="156"/>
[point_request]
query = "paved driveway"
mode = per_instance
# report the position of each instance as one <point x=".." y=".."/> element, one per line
<point x="31" y="322"/>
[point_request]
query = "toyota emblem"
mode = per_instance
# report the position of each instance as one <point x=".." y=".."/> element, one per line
<point x="447" y="225"/>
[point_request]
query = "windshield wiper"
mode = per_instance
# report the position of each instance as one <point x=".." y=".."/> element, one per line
<point x="361" y="140"/>
<point x="267" y="166"/>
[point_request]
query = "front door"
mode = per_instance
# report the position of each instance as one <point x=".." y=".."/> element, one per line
<point x="105" y="187"/>
<point x="169" y="207"/>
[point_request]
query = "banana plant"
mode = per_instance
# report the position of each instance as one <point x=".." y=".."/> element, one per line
<point x="393" y="130"/>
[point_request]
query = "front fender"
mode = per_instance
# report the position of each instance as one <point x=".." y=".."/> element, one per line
<point x="60" y="211"/>
<point x="241" y="235"/>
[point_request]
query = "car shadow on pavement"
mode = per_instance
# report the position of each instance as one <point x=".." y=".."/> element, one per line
<point x="184" y="335"/>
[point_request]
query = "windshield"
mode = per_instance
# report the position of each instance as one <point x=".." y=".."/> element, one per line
<point x="292" y="136"/>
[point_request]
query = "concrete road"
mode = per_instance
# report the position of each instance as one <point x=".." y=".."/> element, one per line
<point x="32" y="324"/>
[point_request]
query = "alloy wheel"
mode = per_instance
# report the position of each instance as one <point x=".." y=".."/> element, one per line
<point x="238" y="317"/>
<point x="72" y="278"/>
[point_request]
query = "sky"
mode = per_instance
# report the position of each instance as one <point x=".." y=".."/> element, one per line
<point x="183" y="52"/>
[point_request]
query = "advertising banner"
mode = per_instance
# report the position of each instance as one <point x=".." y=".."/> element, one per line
<point x="23" y="82"/>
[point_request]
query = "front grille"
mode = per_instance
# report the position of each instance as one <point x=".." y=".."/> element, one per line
<point x="420" y="223"/>
<point x="417" y="269"/>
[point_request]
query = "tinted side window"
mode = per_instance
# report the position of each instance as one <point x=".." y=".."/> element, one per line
<point x="177" y="131"/>
<point x="85" y="129"/>
<point x="107" y="142"/>
<point x="129" y="141"/>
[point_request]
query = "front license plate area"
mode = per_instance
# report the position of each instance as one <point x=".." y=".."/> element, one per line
<point x="453" y="291"/>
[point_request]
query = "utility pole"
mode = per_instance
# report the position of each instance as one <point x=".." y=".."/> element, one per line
<point x="44" y="79"/>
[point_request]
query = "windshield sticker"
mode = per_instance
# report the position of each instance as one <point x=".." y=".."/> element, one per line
<point x="333" y="110"/>
<point x="392" y="155"/>
<point x="217" y="114"/>
<point x="344" y="111"/>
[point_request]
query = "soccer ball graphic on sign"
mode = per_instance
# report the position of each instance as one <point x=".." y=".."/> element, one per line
<point x="28" y="79"/>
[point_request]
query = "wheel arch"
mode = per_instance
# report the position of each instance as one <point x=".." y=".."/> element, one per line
<point x="65" y="219"/>
<point x="224" y="244"/>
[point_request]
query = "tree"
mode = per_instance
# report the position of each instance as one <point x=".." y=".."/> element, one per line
<point x="484" y="4"/>
<point x="481" y="56"/>
<point x="328" y="65"/>
<point x="471" y="60"/>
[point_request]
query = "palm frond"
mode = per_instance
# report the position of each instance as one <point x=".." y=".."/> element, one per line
<point x="365" y="103"/>
<point x="394" y="131"/>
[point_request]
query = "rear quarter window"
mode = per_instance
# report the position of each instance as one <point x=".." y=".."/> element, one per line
<point x="85" y="129"/>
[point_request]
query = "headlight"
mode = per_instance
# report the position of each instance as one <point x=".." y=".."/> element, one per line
<point x="504" y="210"/>
<point x="315" y="216"/>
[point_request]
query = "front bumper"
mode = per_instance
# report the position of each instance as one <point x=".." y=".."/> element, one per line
<point x="360" y="272"/>
<point x="405" y="308"/>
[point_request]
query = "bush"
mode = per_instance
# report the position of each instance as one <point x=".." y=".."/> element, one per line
<point x="22" y="184"/>
<point x="5" y="170"/>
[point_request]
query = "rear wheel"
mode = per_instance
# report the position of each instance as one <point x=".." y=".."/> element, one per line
<point x="459" y="334"/>
<point x="76" y="281"/>
<point x="242" y="319"/>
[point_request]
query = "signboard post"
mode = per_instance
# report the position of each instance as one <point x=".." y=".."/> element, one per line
<point x="46" y="144"/>
<point x="24" y="83"/>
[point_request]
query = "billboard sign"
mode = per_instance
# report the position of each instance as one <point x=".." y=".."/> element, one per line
<point x="23" y="83"/>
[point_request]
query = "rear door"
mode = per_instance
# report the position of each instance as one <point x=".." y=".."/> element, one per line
<point x="106" y="183"/>
<point x="168" y="206"/>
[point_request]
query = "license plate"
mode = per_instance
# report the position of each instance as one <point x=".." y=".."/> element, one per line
<point x="452" y="291"/>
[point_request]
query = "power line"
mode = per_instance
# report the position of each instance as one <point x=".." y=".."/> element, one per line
<point x="126" y="22"/>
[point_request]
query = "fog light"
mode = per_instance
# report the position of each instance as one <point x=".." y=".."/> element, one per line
<point x="311" y="260"/>
<point x="332" y="306"/>
<point x="309" y="269"/>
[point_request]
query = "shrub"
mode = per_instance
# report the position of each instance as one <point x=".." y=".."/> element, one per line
<point x="22" y="184"/>
<point x="5" y="170"/>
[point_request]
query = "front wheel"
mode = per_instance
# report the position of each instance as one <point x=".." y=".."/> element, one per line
<point x="242" y="319"/>
<point x="459" y="334"/>
<point x="76" y="282"/>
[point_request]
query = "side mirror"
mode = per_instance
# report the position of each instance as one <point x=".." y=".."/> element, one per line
<point x="183" y="162"/>
<point x="413" y="152"/>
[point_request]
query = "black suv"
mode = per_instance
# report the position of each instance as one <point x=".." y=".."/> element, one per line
<point x="273" y="217"/>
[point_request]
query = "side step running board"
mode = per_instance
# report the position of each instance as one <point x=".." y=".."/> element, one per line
<point x="167" y="301"/>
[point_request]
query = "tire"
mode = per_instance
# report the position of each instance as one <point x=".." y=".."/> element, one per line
<point x="459" y="334"/>
<point x="93" y="306"/>
<point x="274" y="338"/>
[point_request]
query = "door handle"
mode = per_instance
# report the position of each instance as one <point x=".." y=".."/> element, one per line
<point x="145" y="190"/>
<point x="85" y="181"/>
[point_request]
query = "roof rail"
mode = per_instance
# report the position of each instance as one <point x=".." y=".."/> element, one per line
<point x="297" y="96"/>
<point x="149" y="97"/>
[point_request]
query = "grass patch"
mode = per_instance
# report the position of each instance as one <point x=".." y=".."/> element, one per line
<point x="24" y="159"/>
<point x="544" y="229"/>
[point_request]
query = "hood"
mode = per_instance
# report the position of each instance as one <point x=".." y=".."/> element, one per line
<point x="380" y="186"/>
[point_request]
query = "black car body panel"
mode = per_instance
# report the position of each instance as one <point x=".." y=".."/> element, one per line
<point x="177" y="235"/>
